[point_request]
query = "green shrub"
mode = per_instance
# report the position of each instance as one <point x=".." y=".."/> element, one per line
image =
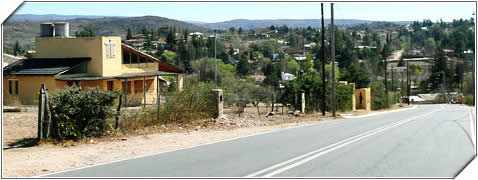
<point x="194" y="102"/>
<point x="468" y="100"/>
<point x="79" y="113"/>
<point x="378" y="96"/>
<point x="344" y="94"/>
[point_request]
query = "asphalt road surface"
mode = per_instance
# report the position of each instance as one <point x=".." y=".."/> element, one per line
<point x="423" y="141"/>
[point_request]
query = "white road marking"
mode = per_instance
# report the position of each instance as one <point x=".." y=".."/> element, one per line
<point x="189" y="147"/>
<point x="317" y="153"/>
<point x="349" y="116"/>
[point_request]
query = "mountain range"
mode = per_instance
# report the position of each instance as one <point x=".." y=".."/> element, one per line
<point x="291" y="23"/>
<point x="24" y="27"/>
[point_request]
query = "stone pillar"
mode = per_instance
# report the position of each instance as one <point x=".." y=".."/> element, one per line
<point x="302" y="102"/>
<point x="354" y="105"/>
<point x="219" y="95"/>
<point x="179" y="82"/>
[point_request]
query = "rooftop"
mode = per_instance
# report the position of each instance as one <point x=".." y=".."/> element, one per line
<point x="44" y="66"/>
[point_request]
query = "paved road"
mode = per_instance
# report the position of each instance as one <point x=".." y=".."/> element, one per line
<point x="424" y="141"/>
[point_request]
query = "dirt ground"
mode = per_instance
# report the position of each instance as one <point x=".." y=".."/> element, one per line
<point x="23" y="158"/>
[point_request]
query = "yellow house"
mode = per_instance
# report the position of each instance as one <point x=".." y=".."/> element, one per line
<point x="102" y="62"/>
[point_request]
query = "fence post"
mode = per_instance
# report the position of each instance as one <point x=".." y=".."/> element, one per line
<point x="47" y="112"/>
<point x="302" y="102"/>
<point x="219" y="102"/>
<point x="158" y="97"/>
<point x="40" y="112"/>
<point x="118" y="111"/>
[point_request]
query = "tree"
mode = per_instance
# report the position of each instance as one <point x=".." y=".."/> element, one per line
<point x="292" y="66"/>
<point x="17" y="50"/>
<point x="171" y="39"/>
<point x="240" y="31"/>
<point x="184" y="56"/>
<point x="232" y="30"/>
<point x="129" y="35"/>
<point x="186" y="33"/>
<point x="85" y="32"/>
<point x="144" y="31"/>
<point x="353" y="74"/>
<point x="243" y="66"/>
<point x="429" y="46"/>
<point x="258" y="95"/>
<point x="439" y="66"/>
<point x="458" y="77"/>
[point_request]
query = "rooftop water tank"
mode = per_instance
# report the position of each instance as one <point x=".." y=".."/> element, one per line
<point x="46" y="29"/>
<point x="62" y="29"/>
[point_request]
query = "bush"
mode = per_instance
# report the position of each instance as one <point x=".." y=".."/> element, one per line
<point x="468" y="100"/>
<point x="344" y="94"/>
<point x="79" y="113"/>
<point x="194" y="102"/>
<point x="378" y="96"/>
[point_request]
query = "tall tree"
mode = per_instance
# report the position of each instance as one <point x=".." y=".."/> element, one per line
<point x="171" y="40"/>
<point x="184" y="56"/>
<point x="240" y="30"/>
<point x="439" y="67"/>
<point x="243" y="66"/>
<point x="17" y="50"/>
<point x="129" y="35"/>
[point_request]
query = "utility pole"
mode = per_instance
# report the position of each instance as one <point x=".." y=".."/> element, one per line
<point x="215" y="61"/>
<point x="323" y="59"/>
<point x="386" y="80"/>
<point x="444" y="88"/>
<point x="408" y="85"/>
<point x="332" y="49"/>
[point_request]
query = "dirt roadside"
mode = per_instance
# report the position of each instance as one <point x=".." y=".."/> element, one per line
<point x="21" y="159"/>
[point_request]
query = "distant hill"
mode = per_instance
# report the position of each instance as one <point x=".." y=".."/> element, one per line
<point x="26" y="31"/>
<point x="47" y="17"/>
<point x="292" y="23"/>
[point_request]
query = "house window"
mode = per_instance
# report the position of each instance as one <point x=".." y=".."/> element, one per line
<point x="129" y="87"/>
<point x="109" y="85"/>
<point x="16" y="87"/>
<point x="138" y="86"/>
<point x="110" y="49"/>
<point x="13" y="86"/>
<point x="149" y="85"/>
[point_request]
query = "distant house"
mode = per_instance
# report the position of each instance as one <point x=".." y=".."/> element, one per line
<point x="287" y="76"/>
<point x="164" y="30"/>
<point x="415" y="52"/>
<point x="300" y="58"/>
<point x="135" y="42"/>
<point x="102" y="62"/>
<point x="449" y="52"/>
<point x="263" y="35"/>
<point x="236" y="51"/>
<point x="258" y="78"/>
<point x="199" y="34"/>
<point x="157" y="44"/>
<point x="275" y="57"/>
<point x="367" y="47"/>
<point x="310" y="45"/>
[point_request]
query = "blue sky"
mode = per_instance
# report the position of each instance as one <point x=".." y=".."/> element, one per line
<point x="215" y="12"/>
